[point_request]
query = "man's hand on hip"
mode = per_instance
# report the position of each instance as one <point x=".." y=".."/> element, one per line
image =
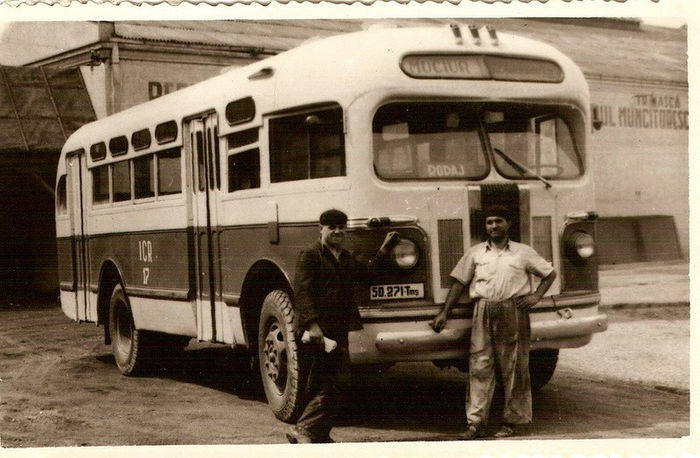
<point x="438" y="323"/>
<point x="527" y="302"/>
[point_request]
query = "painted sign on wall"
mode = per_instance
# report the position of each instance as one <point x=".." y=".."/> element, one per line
<point x="158" y="88"/>
<point x="646" y="111"/>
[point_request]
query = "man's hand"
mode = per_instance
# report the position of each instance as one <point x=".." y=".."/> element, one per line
<point x="438" y="323"/>
<point x="315" y="334"/>
<point x="390" y="241"/>
<point x="528" y="301"/>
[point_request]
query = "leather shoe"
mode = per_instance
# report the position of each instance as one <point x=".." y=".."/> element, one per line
<point x="505" y="431"/>
<point x="472" y="432"/>
<point x="294" y="436"/>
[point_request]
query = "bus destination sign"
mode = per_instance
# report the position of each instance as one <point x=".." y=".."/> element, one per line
<point x="445" y="66"/>
<point x="481" y="67"/>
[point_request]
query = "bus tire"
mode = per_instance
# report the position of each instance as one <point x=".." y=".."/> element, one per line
<point x="542" y="365"/>
<point x="278" y="357"/>
<point x="130" y="346"/>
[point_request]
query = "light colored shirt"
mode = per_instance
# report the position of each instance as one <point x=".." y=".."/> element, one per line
<point x="497" y="275"/>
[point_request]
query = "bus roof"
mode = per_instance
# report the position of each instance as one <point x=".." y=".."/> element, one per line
<point x="336" y="69"/>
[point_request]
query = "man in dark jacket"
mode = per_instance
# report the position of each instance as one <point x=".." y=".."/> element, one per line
<point x="324" y="291"/>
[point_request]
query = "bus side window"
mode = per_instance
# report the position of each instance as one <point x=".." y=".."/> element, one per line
<point x="61" y="196"/>
<point x="307" y="145"/>
<point x="244" y="170"/>
<point x="121" y="181"/>
<point x="100" y="184"/>
<point x="143" y="177"/>
<point x="169" y="178"/>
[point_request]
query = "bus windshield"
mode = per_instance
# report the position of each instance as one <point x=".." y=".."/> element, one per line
<point x="447" y="140"/>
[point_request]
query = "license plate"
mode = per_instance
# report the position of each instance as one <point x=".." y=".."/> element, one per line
<point x="405" y="291"/>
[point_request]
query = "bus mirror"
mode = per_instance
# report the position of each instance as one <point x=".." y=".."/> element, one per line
<point x="312" y="120"/>
<point x="395" y="132"/>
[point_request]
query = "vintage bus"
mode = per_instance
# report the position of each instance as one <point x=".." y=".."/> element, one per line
<point x="182" y="218"/>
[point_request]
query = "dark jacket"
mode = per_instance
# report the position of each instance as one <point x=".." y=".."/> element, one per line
<point x="324" y="291"/>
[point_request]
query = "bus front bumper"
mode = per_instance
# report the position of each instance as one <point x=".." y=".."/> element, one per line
<point x="556" y="322"/>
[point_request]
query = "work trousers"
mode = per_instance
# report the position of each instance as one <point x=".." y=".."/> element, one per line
<point x="500" y="344"/>
<point x="327" y="380"/>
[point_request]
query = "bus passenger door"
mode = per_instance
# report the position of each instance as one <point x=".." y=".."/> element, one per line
<point x="75" y="185"/>
<point x="203" y="161"/>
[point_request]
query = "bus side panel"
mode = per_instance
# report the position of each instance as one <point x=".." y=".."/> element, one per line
<point x="242" y="246"/>
<point x="153" y="265"/>
<point x="66" y="277"/>
<point x="64" y="253"/>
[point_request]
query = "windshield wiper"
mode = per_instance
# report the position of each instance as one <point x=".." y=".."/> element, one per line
<point x="522" y="169"/>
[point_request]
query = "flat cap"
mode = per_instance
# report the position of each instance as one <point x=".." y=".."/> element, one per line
<point x="498" y="210"/>
<point x="333" y="217"/>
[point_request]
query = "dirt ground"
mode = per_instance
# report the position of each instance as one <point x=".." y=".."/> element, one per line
<point x="59" y="387"/>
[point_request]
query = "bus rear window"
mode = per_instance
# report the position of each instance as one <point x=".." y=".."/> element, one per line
<point x="169" y="178"/>
<point x="308" y="145"/>
<point x="428" y="141"/>
<point x="61" y="196"/>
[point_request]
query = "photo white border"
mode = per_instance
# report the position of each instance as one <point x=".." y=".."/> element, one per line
<point x="687" y="9"/>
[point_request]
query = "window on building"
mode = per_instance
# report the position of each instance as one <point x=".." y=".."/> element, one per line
<point x="121" y="181"/>
<point x="144" y="174"/>
<point x="307" y="145"/>
<point x="100" y="184"/>
<point x="169" y="177"/>
<point x="244" y="170"/>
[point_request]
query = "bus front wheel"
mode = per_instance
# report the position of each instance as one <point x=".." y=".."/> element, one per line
<point x="129" y="345"/>
<point x="277" y="354"/>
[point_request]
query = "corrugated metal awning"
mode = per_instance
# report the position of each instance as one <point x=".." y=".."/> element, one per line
<point x="41" y="107"/>
<point x="646" y="53"/>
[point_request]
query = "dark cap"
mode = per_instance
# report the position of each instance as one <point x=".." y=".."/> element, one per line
<point x="333" y="217"/>
<point x="498" y="210"/>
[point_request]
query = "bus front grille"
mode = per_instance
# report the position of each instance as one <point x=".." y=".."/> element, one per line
<point x="451" y="247"/>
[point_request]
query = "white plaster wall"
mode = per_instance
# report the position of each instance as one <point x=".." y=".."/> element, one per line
<point x="641" y="162"/>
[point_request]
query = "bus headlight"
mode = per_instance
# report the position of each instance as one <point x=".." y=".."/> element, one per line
<point x="405" y="254"/>
<point x="581" y="243"/>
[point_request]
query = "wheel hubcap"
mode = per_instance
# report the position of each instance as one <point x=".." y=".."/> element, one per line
<point x="275" y="356"/>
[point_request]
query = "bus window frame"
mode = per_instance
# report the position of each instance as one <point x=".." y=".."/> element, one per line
<point x="140" y="200"/>
<point x="483" y="139"/>
<point x="297" y="112"/>
<point x="182" y="172"/>
<point x="61" y="205"/>
<point x="130" y="200"/>
<point x="108" y="202"/>
<point x="579" y="151"/>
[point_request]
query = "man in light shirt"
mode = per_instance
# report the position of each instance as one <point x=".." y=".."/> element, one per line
<point x="498" y="273"/>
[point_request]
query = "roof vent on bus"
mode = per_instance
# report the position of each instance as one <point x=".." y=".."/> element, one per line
<point x="492" y="33"/>
<point x="475" y="34"/>
<point x="379" y="25"/>
<point x="264" y="72"/>
<point x="457" y="32"/>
